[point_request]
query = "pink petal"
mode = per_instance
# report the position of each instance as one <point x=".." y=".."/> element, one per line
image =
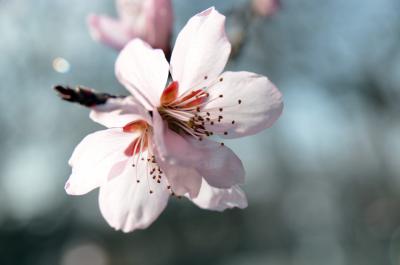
<point x="170" y="146"/>
<point x="159" y="23"/>
<point x="249" y="102"/>
<point x="96" y="159"/>
<point x="117" y="112"/>
<point x="265" y="8"/>
<point x="129" y="10"/>
<point x="109" y="31"/>
<point x="201" y="51"/>
<point x="127" y="205"/>
<point x="220" y="199"/>
<point x="219" y="165"/>
<point x="143" y="71"/>
<point x="181" y="179"/>
<point x="216" y="163"/>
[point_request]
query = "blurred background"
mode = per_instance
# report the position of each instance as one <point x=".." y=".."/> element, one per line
<point x="323" y="184"/>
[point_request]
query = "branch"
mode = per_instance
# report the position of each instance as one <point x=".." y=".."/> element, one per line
<point x="82" y="95"/>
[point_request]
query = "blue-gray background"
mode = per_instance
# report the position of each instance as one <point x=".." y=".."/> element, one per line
<point x="323" y="184"/>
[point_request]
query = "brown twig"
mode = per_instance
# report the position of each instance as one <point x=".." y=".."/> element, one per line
<point x="82" y="95"/>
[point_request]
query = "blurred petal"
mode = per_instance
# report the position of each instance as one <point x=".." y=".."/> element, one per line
<point x="220" y="199"/>
<point x="250" y="103"/>
<point x="109" y="31"/>
<point x="127" y="205"/>
<point x="117" y="112"/>
<point x="143" y="71"/>
<point x="96" y="159"/>
<point x="265" y="8"/>
<point x="159" y="23"/>
<point x="129" y="10"/>
<point x="201" y="50"/>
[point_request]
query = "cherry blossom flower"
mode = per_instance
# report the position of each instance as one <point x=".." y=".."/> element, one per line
<point x="201" y="101"/>
<point x="156" y="143"/>
<point x="265" y="8"/>
<point x="150" y="20"/>
<point x="122" y="162"/>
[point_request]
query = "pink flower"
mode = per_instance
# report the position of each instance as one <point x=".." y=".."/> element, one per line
<point x="265" y="8"/>
<point x="156" y="142"/>
<point x="201" y="101"/>
<point x="149" y="20"/>
<point x="122" y="162"/>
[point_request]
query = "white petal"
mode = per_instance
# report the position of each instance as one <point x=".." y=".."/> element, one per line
<point x="220" y="199"/>
<point x="97" y="158"/>
<point x="201" y="50"/>
<point x="143" y="71"/>
<point x="260" y="105"/>
<point x="117" y="112"/>
<point x="127" y="205"/>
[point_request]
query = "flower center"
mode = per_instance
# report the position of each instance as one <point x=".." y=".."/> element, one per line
<point x="188" y="113"/>
<point x="141" y="152"/>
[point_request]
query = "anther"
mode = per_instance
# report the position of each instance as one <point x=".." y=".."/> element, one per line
<point x="222" y="144"/>
<point x="222" y="96"/>
<point x="151" y="192"/>
<point x="158" y="181"/>
<point x="168" y="187"/>
<point x="240" y="101"/>
<point x="233" y="122"/>
<point x="205" y="77"/>
<point x="137" y="181"/>
<point x="221" y="79"/>
<point x="225" y="133"/>
<point x="221" y="109"/>
<point x="212" y="123"/>
<point x="133" y="165"/>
